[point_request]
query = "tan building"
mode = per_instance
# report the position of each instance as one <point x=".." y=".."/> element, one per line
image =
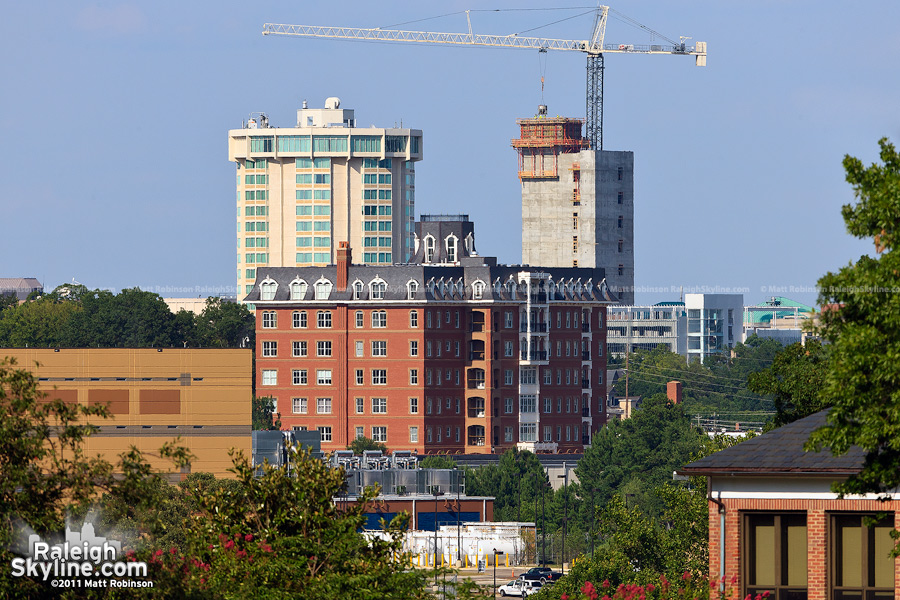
<point x="303" y="189"/>
<point x="154" y="396"/>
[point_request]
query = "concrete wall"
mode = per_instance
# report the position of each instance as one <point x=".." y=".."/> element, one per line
<point x="549" y="228"/>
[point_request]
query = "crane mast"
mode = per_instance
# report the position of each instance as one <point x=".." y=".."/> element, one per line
<point x="594" y="48"/>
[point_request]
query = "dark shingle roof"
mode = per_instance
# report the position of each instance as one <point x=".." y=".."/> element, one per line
<point x="779" y="452"/>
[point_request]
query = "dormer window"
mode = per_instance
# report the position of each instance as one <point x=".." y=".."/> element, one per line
<point x="323" y="289"/>
<point x="429" y="248"/>
<point x="411" y="288"/>
<point x="357" y="289"/>
<point x="267" y="289"/>
<point x="451" y="245"/>
<point x="378" y="288"/>
<point x="298" y="289"/>
<point x="470" y="244"/>
<point x="478" y="290"/>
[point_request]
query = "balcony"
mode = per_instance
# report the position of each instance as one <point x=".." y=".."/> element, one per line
<point x="585" y="411"/>
<point x="534" y="327"/>
<point x="476" y="441"/>
<point x="586" y="327"/>
<point x="534" y="355"/>
<point x="585" y="355"/>
<point x="476" y="356"/>
<point x="476" y="327"/>
<point x="585" y="384"/>
<point x="539" y="298"/>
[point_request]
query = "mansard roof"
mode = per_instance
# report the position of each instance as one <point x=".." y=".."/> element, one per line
<point x="440" y="282"/>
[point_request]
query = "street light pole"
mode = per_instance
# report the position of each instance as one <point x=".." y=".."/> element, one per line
<point x="435" y="490"/>
<point x="458" y="509"/>
<point x="495" y="572"/>
<point x="565" y="477"/>
<point x="544" y="524"/>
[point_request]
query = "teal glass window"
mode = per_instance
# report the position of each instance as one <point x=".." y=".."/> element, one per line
<point x="365" y="143"/>
<point x="303" y="163"/>
<point x="304" y="194"/>
<point x="321" y="210"/>
<point x="322" y="163"/>
<point x="322" y="257"/>
<point x="395" y="143"/>
<point x="261" y="143"/>
<point x="322" y="242"/>
<point x="323" y="225"/>
<point x="329" y="143"/>
<point x="304" y="242"/>
<point x="304" y="226"/>
<point x="304" y="257"/>
<point x="304" y="178"/>
<point x="304" y="210"/>
<point x="293" y="143"/>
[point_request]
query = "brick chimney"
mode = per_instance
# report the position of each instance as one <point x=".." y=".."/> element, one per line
<point x="343" y="265"/>
<point x="673" y="391"/>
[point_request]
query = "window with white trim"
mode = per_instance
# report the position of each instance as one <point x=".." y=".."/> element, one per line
<point x="379" y="319"/>
<point x="298" y="319"/>
<point x="323" y="406"/>
<point x="379" y="376"/>
<point x="270" y="349"/>
<point x="269" y="319"/>
<point x="379" y="406"/>
<point x="298" y="376"/>
<point x="325" y="433"/>
<point x="323" y="319"/>
<point x="413" y="406"/>
<point x="298" y="348"/>
<point x="270" y="377"/>
<point x="413" y="347"/>
<point x="323" y="348"/>
<point x="323" y="376"/>
<point x="379" y="348"/>
<point x="298" y="406"/>
<point x="413" y="319"/>
<point x="379" y="433"/>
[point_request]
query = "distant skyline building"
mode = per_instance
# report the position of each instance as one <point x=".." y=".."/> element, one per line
<point x="301" y="190"/>
<point x="577" y="203"/>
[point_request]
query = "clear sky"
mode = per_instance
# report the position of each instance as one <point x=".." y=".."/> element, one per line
<point x="114" y="118"/>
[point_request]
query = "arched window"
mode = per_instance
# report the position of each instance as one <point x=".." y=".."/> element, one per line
<point x="478" y="290"/>
<point x="298" y="289"/>
<point x="412" y="287"/>
<point x="267" y="289"/>
<point x="357" y="289"/>
<point x="323" y="289"/>
<point x="429" y="248"/>
<point x="470" y="244"/>
<point x="451" y="243"/>
<point x="377" y="289"/>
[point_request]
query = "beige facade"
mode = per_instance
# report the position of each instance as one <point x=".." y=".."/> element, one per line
<point x="154" y="396"/>
<point x="302" y="190"/>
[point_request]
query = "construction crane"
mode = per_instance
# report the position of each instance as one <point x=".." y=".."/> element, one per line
<point x="594" y="48"/>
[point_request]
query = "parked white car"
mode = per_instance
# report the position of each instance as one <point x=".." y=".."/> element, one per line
<point x="520" y="587"/>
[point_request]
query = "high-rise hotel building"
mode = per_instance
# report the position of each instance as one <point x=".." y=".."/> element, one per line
<point x="302" y="190"/>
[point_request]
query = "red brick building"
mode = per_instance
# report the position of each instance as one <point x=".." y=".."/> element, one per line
<point x="450" y="353"/>
<point x="776" y="526"/>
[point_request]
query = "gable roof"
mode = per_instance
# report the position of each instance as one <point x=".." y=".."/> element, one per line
<point x="779" y="452"/>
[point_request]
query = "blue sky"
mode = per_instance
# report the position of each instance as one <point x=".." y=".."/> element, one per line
<point x="115" y="116"/>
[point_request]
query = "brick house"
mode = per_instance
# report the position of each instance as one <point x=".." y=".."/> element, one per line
<point x="775" y="525"/>
<point x="449" y="353"/>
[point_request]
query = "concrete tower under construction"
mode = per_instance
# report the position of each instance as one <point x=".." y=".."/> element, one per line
<point x="577" y="202"/>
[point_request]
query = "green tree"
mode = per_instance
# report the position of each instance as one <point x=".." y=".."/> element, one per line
<point x="263" y="415"/>
<point x="37" y="324"/>
<point x="861" y="320"/>
<point x="224" y="324"/>
<point x="131" y="319"/>
<point x="641" y="452"/>
<point x="437" y="461"/>
<point x="795" y="381"/>
<point x="293" y="543"/>
<point x="361" y="444"/>
<point x="45" y="474"/>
